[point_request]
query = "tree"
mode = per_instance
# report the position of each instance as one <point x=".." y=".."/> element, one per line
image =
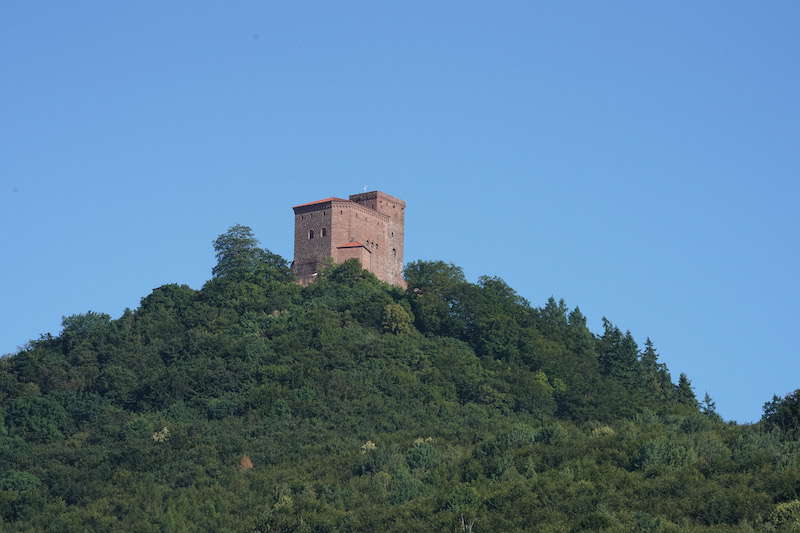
<point x="18" y="481"/>
<point x="37" y="418"/>
<point x="618" y="353"/>
<point x="237" y="252"/>
<point x="238" y="257"/>
<point x="554" y="317"/>
<point x="783" y="414"/>
<point x="709" y="407"/>
<point x="436" y="276"/>
<point x="649" y="358"/>
<point x="84" y="325"/>
<point x="397" y="320"/>
<point x="577" y="336"/>
<point x="89" y="326"/>
<point x="684" y="393"/>
<point x="438" y="290"/>
<point x="654" y="375"/>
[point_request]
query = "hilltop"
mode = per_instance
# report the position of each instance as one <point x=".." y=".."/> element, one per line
<point x="257" y="405"/>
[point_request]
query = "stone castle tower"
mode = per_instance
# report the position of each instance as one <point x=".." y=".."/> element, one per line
<point x="368" y="227"/>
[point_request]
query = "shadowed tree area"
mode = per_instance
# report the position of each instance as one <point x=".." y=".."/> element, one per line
<point x="257" y="405"/>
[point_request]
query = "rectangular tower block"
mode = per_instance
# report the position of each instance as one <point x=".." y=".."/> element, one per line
<point x="368" y="227"/>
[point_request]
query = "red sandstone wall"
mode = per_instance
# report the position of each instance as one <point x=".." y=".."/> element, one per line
<point x="391" y="262"/>
<point x="308" y="253"/>
<point x="354" y="222"/>
<point x="361" y="254"/>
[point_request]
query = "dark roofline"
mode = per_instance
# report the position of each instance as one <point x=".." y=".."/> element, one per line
<point x="375" y="194"/>
<point x="324" y="201"/>
<point x="354" y="244"/>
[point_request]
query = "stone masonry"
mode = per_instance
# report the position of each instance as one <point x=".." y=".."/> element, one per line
<point x="368" y="227"/>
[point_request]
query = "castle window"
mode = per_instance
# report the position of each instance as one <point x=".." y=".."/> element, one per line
<point x="324" y="232"/>
<point x="311" y="234"/>
<point x="394" y="252"/>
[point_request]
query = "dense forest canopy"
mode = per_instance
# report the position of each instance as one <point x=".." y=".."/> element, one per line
<point x="257" y="405"/>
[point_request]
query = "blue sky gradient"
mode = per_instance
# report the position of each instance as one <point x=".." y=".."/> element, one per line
<point x="639" y="160"/>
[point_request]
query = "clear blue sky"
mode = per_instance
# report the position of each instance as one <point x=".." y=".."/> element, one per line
<point x="638" y="159"/>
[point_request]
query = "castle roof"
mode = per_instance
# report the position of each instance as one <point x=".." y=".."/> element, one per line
<point x="354" y="244"/>
<point x="331" y="199"/>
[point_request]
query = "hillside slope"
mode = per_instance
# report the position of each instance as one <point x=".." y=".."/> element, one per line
<point x="255" y="405"/>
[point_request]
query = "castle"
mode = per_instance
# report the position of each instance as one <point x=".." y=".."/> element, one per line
<point x="368" y="227"/>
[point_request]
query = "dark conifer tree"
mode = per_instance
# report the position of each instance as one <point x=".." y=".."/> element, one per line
<point x="684" y="394"/>
<point x="783" y="414"/>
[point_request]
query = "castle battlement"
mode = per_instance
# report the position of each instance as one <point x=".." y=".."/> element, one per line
<point x="368" y="227"/>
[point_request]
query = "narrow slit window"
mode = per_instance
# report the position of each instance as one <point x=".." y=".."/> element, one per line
<point x="311" y="234"/>
<point x="324" y="232"/>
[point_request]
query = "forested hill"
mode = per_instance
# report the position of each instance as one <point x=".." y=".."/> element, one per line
<point x="257" y="405"/>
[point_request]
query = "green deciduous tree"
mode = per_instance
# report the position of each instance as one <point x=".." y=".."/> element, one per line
<point x="436" y="276"/>
<point x="437" y="288"/>
<point x="37" y="418"/>
<point x="239" y="256"/>
<point x="236" y="251"/>
<point x="397" y="320"/>
<point x="18" y="481"/>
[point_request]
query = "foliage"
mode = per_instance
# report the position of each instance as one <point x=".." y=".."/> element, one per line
<point x="239" y="256"/>
<point x="783" y="414"/>
<point x="397" y="320"/>
<point x="255" y="405"/>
